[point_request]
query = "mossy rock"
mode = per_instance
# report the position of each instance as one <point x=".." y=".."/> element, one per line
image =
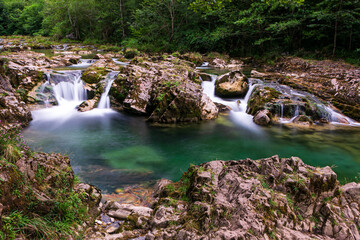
<point x="232" y="84"/>
<point x="94" y="75"/>
<point x="131" y="53"/>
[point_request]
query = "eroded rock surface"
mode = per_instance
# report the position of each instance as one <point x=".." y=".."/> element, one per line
<point x="12" y="108"/>
<point x="246" y="199"/>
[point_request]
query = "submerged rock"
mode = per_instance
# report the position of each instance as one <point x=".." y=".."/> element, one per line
<point x="87" y="105"/>
<point x="248" y="199"/>
<point x="263" y="118"/>
<point x="232" y="84"/>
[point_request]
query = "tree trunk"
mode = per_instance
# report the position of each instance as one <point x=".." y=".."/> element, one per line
<point x="350" y="40"/>
<point x="336" y="28"/>
<point x="122" y="19"/>
<point x="172" y="17"/>
<point x="335" y="36"/>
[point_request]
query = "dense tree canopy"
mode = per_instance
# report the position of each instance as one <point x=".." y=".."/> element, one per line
<point x="239" y="27"/>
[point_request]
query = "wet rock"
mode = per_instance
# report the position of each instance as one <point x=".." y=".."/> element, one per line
<point x="93" y="75"/>
<point x="218" y="63"/>
<point x="303" y="120"/>
<point x="262" y="118"/>
<point x="222" y="108"/>
<point x="205" y="77"/>
<point x="209" y="109"/>
<point x="232" y="84"/>
<point x="87" y="105"/>
<point x="284" y="105"/>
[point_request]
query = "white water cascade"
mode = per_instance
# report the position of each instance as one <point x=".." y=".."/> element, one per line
<point x="104" y="102"/>
<point x="71" y="89"/>
<point x="238" y="106"/>
<point x="340" y="119"/>
<point x="83" y="63"/>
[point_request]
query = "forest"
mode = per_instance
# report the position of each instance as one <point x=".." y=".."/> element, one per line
<point x="323" y="28"/>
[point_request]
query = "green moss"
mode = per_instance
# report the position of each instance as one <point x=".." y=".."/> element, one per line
<point x="131" y="53"/>
<point x="94" y="75"/>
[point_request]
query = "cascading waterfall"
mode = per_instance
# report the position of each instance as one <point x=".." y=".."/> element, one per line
<point x="238" y="106"/>
<point x="238" y="113"/>
<point x="71" y="89"/>
<point x="338" y="118"/>
<point x="83" y="63"/>
<point x="105" y="100"/>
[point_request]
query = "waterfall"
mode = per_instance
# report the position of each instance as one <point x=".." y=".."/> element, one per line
<point x="338" y="118"/>
<point x="238" y="113"/>
<point x="281" y="111"/>
<point x="70" y="88"/>
<point x="83" y="63"/>
<point x="105" y="100"/>
<point x="296" y="111"/>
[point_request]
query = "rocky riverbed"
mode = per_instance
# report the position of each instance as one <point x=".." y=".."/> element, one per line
<point x="250" y="199"/>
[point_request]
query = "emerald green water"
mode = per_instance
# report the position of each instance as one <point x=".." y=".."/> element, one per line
<point x="114" y="150"/>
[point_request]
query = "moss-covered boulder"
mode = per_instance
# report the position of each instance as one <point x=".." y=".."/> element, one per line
<point x="94" y="75"/>
<point x="231" y="85"/>
<point x="166" y="91"/>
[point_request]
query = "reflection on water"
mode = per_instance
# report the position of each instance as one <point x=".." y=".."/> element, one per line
<point x="113" y="150"/>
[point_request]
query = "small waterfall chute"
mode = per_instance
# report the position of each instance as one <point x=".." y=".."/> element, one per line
<point x="70" y="88"/>
<point x="104" y="102"/>
<point x="238" y="106"/>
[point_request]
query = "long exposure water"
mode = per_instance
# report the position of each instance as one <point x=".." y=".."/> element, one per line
<point x="111" y="150"/>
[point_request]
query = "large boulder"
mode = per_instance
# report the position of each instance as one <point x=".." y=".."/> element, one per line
<point x="232" y="84"/>
<point x="270" y="198"/>
<point x="167" y="91"/>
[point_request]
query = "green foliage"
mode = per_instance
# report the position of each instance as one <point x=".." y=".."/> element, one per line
<point x="12" y="146"/>
<point x="207" y="6"/>
<point x="239" y="28"/>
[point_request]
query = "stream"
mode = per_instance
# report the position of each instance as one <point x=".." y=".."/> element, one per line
<point x="112" y="150"/>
